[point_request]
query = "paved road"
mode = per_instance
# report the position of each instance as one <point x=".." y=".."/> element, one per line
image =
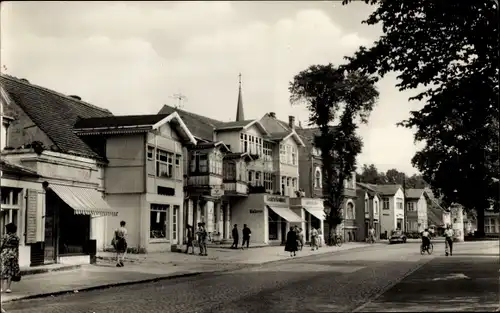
<point x="338" y="282"/>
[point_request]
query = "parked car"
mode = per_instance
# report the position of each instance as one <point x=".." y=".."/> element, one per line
<point x="397" y="236"/>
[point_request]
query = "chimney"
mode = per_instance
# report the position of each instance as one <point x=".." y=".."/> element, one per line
<point x="75" y="97"/>
<point x="291" y="121"/>
<point x="272" y="114"/>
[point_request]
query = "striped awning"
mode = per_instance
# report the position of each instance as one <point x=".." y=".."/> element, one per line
<point x="84" y="201"/>
<point x="319" y="213"/>
<point x="287" y="214"/>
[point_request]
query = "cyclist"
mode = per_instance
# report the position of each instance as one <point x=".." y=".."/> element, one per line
<point x="426" y="239"/>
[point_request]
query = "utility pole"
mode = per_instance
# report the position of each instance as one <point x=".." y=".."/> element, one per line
<point x="179" y="97"/>
<point x="404" y="205"/>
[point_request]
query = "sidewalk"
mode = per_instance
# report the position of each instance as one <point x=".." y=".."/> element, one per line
<point x="150" y="267"/>
<point x="466" y="281"/>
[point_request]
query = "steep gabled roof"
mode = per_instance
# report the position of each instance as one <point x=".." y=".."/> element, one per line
<point x="132" y="123"/>
<point x="308" y="135"/>
<point x="54" y="113"/>
<point x="239" y="125"/>
<point x="386" y="190"/>
<point x="201" y="126"/>
<point x="369" y="189"/>
<point x="414" y="193"/>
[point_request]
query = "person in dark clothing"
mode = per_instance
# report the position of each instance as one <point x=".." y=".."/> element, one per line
<point x="189" y="239"/>
<point x="291" y="242"/>
<point x="246" y="236"/>
<point x="236" y="237"/>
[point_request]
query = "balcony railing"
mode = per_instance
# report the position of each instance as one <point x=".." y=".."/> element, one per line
<point x="236" y="188"/>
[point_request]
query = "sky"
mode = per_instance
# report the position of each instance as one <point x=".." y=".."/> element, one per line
<point x="133" y="57"/>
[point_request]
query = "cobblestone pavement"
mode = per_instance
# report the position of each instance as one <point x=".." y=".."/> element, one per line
<point x="337" y="282"/>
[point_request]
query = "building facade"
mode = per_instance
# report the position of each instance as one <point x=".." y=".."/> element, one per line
<point x="392" y="211"/>
<point x="416" y="210"/>
<point x="368" y="211"/>
<point x="62" y="209"/>
<point x="144" y="175"/>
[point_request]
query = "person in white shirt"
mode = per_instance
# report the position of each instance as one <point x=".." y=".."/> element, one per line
<point x="426" y="239"/>
<point x="448" y="239"/>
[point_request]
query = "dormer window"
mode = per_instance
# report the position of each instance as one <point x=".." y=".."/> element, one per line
<point x="4" y="139"/>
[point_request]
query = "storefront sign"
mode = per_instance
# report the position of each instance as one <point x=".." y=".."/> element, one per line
<point x="31" y="213"/>
<point x="276" y="199"/>
<point x="312" y="202"/>
<point x="256" y="211"/>
<point x="216" y="192"/>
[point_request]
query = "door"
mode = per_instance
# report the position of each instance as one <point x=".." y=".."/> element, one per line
<point x="50" y="233"/>
<point x="283" y="230"/>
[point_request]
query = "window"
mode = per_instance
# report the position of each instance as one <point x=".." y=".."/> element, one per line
<point x="410" y="206"/>
<point x="158" y="224"/>
<point x="178" y="168"/>
<point x="375" y="209"/>
<point x="199" y="162"/>
<point x="283" y="181"/>
<point x="489" y="225"/>
<point x="268" y="151"/>
<point x="9" y="212"/>
<point x="288" y="154"/>
<point x="367" y="209"/>
<point x="294" y="185"/>
<point x="175" y="217"/>
<point x="399" y="203"/>
<point x="317" y="178"/>
<point x="250" y="177"/>
<point x="164" y="163"/>
<point x="282" y="154"/>
<point x="350" y="211"/>
<point x="151" y="151"/>
<point x="294" y="156"/>
<point x="268" y="182"/>
<point x="258" y="179"/>
<point x="259" y="146"/>
<point x="216" y="164"/>
<point x="230" y="170"/>
<point x="4" y="135"/>
<point x="245" y="143"/>
<point x="165" y="191"/>
<point x="385" y="204"/>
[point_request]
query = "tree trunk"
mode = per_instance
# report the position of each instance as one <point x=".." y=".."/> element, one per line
<point x="480" y="223"/>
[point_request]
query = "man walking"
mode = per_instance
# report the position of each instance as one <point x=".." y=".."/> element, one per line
<point x="448" y="235"/>
<point x="189" y="239"/>
<point x="314" y="238"/>
<point x="236" y="237"/>
<point x="246" y="236"/>
<point x="202" y="237"/>
<point x="371" y="234"/>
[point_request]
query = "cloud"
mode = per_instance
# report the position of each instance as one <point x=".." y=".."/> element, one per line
<point x="131" y="57"/>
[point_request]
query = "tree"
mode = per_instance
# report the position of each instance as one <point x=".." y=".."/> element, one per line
<point x="332" y="95"/>
<point x="451" y="49"/>
<point x="370" y="175"/>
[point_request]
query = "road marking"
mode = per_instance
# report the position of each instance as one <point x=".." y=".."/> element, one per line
<point x="452" y="276"/>
<point x="390" y="285"/>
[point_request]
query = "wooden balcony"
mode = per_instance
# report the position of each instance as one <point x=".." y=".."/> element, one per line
<point x="235" y="188"/>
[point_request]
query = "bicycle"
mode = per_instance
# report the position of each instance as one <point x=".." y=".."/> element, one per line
<point x="429" y="249"/>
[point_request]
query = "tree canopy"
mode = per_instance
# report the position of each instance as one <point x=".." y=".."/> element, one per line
<point x="451" y="49"/>
<point x="334" y="96"/>
<point x="370" y="175"/>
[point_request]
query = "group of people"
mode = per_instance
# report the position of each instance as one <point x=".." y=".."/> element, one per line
<point x="295" y="240"/>
<point x="246" y="232"/>
<point x="448" y="240"/>
<point x="201" y="239"/>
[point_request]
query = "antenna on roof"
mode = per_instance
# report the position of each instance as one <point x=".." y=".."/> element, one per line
<point x="179" y="97"/>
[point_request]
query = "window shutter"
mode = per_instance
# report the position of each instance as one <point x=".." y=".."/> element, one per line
<point x="31" y="215"/>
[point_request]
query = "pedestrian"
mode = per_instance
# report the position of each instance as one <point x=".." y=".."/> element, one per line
<point x="189" y="239"/>
<point x="10" y="258"/>
<point x="448" y="239"/>
<point x="246" y="236"/>
<point x="236" y="237"/>
<point x="202" y="239"/>
<point x="371" y="234"/>
<point x="301" y="238"/>
<point x="291" y="242"/>
<point x="120" y="243"/>
<point x="314" y="238"/>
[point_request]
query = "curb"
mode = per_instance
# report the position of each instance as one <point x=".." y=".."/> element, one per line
<point x="34" y="271"/>
<point x="174" y="276"/>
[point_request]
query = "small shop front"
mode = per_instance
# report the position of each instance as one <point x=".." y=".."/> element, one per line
<point x="268" y="216"/>
<point x="313" y="213"/>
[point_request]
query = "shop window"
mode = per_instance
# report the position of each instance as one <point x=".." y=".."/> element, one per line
<point x="159" y="221"/>
<point x="175" y="218"/>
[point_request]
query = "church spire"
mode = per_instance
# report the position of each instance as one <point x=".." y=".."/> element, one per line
<point x="239" y="111"/>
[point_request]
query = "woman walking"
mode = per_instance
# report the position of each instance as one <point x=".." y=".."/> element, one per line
<point x="120" y="243"/>
<point x="291" y="242"/>
<point x="10" y="257"/>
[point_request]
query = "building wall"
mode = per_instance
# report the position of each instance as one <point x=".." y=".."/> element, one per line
<point x="125" y="170"/>
<point x="399" y="212"/>
<point x="422" y="213"/>
<point x="361" y="217"/>
<point x="231" y="139"/>
<point x="129" y="207"/>
<point x="22" y="130"/>
<point x="253" y="212"/>
<point x="288" y="169"/>
<point x="387" y="217"/>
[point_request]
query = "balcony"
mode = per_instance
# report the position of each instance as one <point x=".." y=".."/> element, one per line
<point x="206" y="185"/>
<point x="235" y="188"/>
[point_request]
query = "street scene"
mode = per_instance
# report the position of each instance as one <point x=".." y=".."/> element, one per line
<point x="249" y="156"/>
<point x="370" y="278"/>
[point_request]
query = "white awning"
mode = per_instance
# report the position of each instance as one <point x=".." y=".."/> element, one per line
<point x="319" y="213"/>
<point x="287" y="214"/>
<point x="84" y="201"/>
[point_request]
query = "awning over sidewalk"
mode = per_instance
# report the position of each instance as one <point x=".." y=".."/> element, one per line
<point x="287" y="214"/>
<point x="84" y="201"/>
<point x="319" y="213"/>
